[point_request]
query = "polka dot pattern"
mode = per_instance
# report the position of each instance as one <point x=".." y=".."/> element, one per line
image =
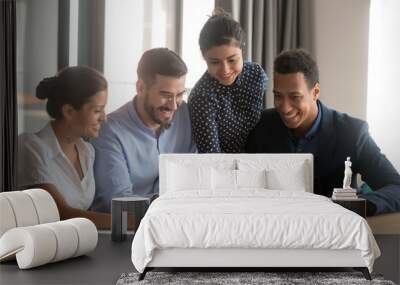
<point x="222" y="116"/>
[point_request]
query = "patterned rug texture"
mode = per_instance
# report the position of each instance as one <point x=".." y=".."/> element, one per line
<point x="270" y="278"/>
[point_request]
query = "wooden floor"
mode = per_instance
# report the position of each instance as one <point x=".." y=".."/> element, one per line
<point x="389" y="263"/>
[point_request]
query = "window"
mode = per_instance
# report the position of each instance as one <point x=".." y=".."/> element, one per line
<point x="130" y="28"/>
<point x="37" y="30"/>
<point x="195" y="14"/>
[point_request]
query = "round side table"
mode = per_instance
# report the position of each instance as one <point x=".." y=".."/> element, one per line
<point x="119" y="214"/>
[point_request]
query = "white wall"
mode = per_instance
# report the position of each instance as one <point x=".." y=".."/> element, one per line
<point x="341" y="51"/>
<point x="384" y="73"/>
<point x="123" y="41"/>
<point x="349" y="60"/>
<point x="193" y="21"/>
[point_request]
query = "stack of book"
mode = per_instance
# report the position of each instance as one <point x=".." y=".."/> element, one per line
<point x="344" y="194"/>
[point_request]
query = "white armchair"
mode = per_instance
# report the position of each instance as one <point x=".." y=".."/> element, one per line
<point x="31" y="230"/>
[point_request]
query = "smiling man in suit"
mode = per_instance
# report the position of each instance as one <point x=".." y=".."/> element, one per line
<point x="300" y="123"/>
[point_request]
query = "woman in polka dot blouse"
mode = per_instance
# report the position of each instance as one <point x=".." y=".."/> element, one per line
<point x="226" y="103"/>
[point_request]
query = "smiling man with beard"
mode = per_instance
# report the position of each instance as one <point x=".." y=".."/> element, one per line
<point x="300" y="123"/>
<point x="155" y="121"/>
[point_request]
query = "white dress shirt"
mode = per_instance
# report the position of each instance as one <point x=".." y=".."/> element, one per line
<point x="41" y="160"/>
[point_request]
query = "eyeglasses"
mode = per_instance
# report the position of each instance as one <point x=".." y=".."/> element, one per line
<point x="172" y="97"/>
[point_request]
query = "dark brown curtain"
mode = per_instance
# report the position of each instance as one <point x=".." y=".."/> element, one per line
<point x="91" y="33"/>
<point x="8" y="97"/>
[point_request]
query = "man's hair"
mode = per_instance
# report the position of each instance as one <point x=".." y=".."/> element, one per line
<point x="297" y="60"/>
<point x="160" y="61"/>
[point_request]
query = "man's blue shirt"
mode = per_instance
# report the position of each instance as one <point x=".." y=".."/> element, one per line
<point x="307" y="143"/>
<point x="127" y="151"/>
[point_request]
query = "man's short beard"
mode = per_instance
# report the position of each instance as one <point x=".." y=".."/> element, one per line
<point x="166" y="126"/>
<point x="151" y="112"/>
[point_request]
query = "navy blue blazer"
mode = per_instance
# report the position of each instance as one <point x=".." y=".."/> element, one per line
<point x="338" y="137"/>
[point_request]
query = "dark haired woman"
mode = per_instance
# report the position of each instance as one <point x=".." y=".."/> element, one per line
<point x="226" y="103"/>
<point x="56" y="158"/>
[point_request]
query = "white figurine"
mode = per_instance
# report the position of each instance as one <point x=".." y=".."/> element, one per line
<point x="347" y="174"/>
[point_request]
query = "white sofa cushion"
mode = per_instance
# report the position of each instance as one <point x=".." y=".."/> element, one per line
<point x="87" y="235"/>
<point x="34" y="244"/>
<point x="67" y="237"/>
<point x="26" y="208"/>
<point x="45" y="206"/>
<point x="23" y="208"/>
<point x="40" y="244"/>
<point x="7" y="218"/>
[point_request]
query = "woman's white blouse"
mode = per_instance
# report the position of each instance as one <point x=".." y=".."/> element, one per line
<point x="41" y="160"/>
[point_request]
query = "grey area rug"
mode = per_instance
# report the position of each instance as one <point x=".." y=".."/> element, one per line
<point x="225" y="278"/>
